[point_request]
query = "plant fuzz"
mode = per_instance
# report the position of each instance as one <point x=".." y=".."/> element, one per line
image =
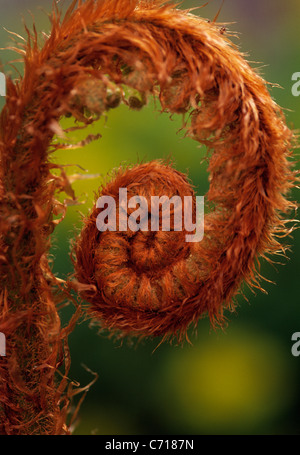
<point x="96" y="50"/>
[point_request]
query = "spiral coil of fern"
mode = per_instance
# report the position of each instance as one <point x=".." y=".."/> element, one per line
<point x="90" y="55"/>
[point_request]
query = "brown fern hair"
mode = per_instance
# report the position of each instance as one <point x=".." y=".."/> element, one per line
<point x="91" y="54"/>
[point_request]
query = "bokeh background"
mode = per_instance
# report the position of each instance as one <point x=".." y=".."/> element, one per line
<point x="240" y="380"/>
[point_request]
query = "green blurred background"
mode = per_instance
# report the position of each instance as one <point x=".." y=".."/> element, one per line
<point x="242" y="380"/>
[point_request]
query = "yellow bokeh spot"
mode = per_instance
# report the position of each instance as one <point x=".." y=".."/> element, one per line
<point x="234" y="382"/>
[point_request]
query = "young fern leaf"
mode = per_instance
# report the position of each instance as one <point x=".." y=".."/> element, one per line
<point x="92" y="53"/>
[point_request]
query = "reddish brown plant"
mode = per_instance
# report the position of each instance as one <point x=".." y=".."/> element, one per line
<point x="91" y="55"/>
<point x="142" y="282"/>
